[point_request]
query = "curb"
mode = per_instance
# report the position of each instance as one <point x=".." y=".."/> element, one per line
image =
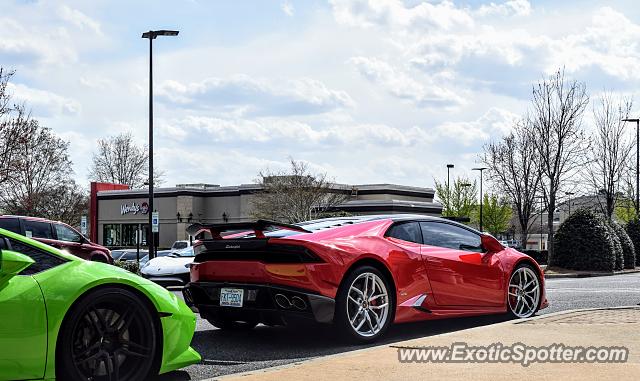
<point x="589" y="275"/>
<point x="328" y="357"/>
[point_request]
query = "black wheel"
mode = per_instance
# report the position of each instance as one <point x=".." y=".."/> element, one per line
<point x="523" y="292"/>
<point x="365" y="305"/>
<point x="228" y="324"/>
<point x="109" y="334"/>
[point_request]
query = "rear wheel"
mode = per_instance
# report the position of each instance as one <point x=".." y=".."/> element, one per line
<point x="365" y="304"/>
<point x="523" y="293"/>
<point x="109" y="334"/>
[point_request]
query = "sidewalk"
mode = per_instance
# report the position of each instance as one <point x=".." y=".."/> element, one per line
<point x="597" y="327"/>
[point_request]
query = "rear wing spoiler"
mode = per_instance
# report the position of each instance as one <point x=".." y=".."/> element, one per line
<point x="258" y="227"/>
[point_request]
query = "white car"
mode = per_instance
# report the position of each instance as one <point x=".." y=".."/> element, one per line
<point x="170" y="270"/>
<point x="180" y="245"/>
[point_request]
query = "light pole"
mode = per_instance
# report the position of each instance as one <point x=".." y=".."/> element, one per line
<point x="152" y="35"/>
<point x="481" y="169"/>
<point x="637" y="160"/>
<point x="449" y="166"/>
<point x="541" y="198"/>
<point x="569" y="194"/>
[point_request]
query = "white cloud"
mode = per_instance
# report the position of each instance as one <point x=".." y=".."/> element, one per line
<point x="42" y="102"/>
<point x="494" y="123"/>
<point x="287" y="8"/>
<point x="251" y="96"/>
<point x="400" y="84"/>
<point x="278" y="132"/>
<point x="23" y="44"/>
<point x="393" y="13"/>
<point x="507" y="8"/>
<point x="79" y="19"/>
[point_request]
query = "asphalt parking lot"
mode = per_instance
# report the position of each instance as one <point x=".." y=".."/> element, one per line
<point x="225" y="352"/>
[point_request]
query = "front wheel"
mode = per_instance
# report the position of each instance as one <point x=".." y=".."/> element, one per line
<point x="365" y="305"/>
<point x="109" y="334"/>
<point x="523" y="296"/>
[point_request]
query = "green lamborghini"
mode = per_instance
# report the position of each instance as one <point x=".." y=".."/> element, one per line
<point x="65" y="318"/>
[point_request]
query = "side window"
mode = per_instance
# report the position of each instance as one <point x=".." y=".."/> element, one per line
<point x="450" y="236"/>
<point x="37" y="229"/>
<point x="11" y="224"/>
<point x="67" y="234"/>
<point x="43" y="260"/>
<point x="4" y="244"/>
<point x="406" y="231"/>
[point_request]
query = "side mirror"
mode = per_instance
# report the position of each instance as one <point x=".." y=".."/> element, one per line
<point x="490" y="244"/>
<point x="11" y="264"/>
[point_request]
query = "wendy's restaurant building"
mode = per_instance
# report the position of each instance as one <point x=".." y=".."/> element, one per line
<point x="117" y="213"/>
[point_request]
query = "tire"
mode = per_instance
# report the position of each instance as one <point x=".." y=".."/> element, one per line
<point x="372" y="318"/>
<point x="523" y="303"/>
<point x="109" y="334"/>
<point x="231" y="325"/>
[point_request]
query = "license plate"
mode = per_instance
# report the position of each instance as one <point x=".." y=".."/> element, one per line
<point x="231" y="297"/>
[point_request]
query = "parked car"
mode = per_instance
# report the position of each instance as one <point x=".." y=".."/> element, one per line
<point x="68" y="319"/>
<point x="58" y="235"/>
<point x="128" y="255"/>
<point x="360" y="273"/>
<point x="170" y="270"/>
<point x="180" y="245"/>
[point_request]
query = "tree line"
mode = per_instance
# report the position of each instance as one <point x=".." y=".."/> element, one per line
<point x="549" y="153"/>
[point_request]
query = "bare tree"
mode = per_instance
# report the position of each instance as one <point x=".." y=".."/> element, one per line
<point x="67" y="202"/>
<point x="296" y="195"/>
<point x="611" y="150"/>
<point x="8" y="134"/>
<point x="558" y="106"/>
<point x="120" y="160"/>
<point x="460" y="199"/>
<point x="41" y="165"/>
<point x="515" y="171"/>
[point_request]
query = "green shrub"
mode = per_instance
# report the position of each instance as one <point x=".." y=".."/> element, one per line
<point x="628" y="251"/>
<point x="584" y="242"/>
<point x="617" y="245"/>
<point x="633" y="229"/>
<point x="130" y="266"/>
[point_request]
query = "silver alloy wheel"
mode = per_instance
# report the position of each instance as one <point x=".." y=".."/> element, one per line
<point x="524" y="292"/>
<point x="367" y="304"/>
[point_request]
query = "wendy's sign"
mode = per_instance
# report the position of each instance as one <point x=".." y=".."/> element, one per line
<point x="134" y="208"/>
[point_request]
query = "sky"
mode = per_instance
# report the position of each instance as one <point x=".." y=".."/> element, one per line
<point x="378" y="91"/>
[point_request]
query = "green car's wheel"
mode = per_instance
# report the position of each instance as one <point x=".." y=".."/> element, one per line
<point x="108" y="335"/>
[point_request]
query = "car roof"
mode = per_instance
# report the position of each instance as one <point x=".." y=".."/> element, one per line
<point x="39" y="219"/>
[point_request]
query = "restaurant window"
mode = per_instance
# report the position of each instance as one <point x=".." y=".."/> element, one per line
<point x="111" y="235"/>
<point x="129" y="234"/>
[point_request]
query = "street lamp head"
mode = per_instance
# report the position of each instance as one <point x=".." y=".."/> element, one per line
<point x="152" y="34"/>
<point x="631" y="120"/>
<point x="465" y="185"/>
<point x="450" y="165"/>
<point x="479" y="169"/>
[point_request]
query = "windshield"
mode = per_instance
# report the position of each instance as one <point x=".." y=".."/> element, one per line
<point x="188" y="252"/>
<point x="179" y="245"/>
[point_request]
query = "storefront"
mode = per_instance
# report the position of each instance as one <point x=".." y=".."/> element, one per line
<point x="122" y="214"/>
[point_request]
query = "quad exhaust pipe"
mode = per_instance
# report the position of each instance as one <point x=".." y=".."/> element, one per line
<point x="287" y="303"/>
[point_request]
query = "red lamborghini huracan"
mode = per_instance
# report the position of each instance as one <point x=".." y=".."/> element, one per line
<point x="360" y="273"/>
